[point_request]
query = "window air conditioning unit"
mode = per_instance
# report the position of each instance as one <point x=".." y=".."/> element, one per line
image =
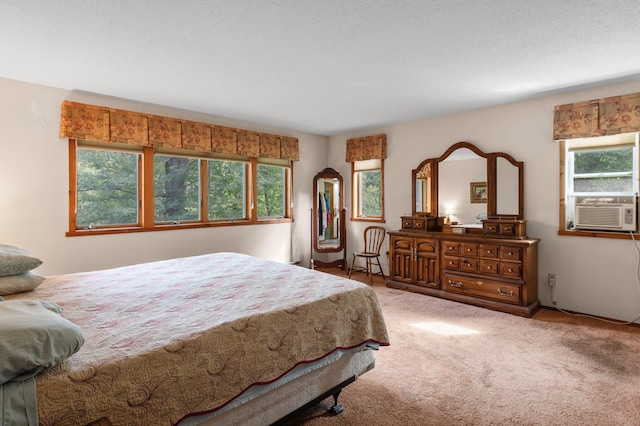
<point x="606" y="214"/>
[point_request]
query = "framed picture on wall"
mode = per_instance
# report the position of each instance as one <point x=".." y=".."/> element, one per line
<point x="478" y="192"/>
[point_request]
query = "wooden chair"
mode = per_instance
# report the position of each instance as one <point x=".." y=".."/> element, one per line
<point x="373" y="238"/>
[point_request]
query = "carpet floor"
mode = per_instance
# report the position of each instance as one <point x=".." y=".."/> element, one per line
<point x="456" y="364"/>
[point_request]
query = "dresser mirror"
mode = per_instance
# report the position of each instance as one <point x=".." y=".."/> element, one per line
<point x="443" y="186"/>
<point x="328" y="232"/>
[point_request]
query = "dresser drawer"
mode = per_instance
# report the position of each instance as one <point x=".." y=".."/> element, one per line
<point x="509" y="293"/>
<point x="511" y="253"/>
<point x="469" y="264"/>
<point x="490" y="228"/>
<point x="507" y="229"/>
<point x="511" y="270"/>
<point x="489" y="267"/>
<point x="450" y="247"/>
<point x="452" y="263"/>
<point x="489" y="251"/>
<point x="468" y="249"/>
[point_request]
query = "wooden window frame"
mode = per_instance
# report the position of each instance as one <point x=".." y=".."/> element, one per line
<point x="562" y="217"/>
<point x="356" y="214"/>
<point x="146" y="194"/>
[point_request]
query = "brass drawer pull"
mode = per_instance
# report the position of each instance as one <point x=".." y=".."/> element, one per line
<point x="505" y="293"/>
<point x="455" y="284"/>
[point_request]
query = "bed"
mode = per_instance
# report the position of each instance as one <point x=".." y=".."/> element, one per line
<point x="223" y="338"/>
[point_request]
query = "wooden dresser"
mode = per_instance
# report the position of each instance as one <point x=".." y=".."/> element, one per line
<point x="494" y="269"/>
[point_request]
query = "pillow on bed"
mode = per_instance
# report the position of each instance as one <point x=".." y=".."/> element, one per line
<point x="12" y="284"/>
<point x="14" y="260"/>
<point x="34" y="337"/>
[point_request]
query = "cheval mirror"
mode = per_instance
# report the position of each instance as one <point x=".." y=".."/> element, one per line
<point x="328" y="227"/>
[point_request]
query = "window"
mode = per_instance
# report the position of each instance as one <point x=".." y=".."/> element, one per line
<point x="107" y="190"/>
<point x="176" y="189"/>
<point x="120" y="188"/>
<point x="368" y="190"/>
<point x="272" y="189"/>
<point x="597" y="171"/>
<point x="227" y="194"/>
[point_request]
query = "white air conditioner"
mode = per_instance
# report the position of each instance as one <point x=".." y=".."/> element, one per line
<point x="606" y="216"/>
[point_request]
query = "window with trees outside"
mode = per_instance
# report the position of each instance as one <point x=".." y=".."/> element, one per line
<point x="367" y="177"/>
<point x="598" y="171"/>
<point x="118" y="188"/>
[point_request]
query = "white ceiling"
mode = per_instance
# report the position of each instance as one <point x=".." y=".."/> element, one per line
<point x="321" y="66"/>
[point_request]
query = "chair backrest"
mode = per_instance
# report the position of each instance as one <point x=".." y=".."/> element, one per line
<point x="373" y="238"/>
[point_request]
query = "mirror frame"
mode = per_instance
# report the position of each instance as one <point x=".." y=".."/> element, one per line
<point x="491" y="181"/>
<point x="329" y="173"/>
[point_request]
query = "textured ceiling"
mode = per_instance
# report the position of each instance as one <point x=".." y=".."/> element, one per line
<point x="320" y="66"/>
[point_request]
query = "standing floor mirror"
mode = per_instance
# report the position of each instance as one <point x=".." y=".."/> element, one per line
<point x="328" y="229"/>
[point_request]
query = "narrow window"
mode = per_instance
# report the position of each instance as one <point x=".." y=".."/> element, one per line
<point x="273" y="189"/>
<point x="368" y="190"/>
<point x="176" y="189"/>
<point x="107" y="188"/>
<point x="227" y="190"/>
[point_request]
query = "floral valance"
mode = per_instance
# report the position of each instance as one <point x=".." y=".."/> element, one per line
<point x="598" y="117"/>
<point x="367" y="148"/>
<point x="101" y="124"/>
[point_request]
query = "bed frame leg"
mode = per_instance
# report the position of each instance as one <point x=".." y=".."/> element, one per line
<point x="337" y="408"/>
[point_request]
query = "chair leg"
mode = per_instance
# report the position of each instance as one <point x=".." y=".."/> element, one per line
<point x="353" y="260"/>
<point x="380" y="267"/>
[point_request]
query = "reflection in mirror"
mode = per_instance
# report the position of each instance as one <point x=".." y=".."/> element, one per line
<point x="328" y="208"/>
<point x="455" y="174"/>
<point x="423" y="190"/>
<point x="507" y="191"/>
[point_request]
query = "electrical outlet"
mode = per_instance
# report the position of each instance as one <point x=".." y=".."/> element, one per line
<point x="552" y="280"/>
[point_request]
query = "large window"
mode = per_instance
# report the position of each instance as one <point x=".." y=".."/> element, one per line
<point x="118" y="188"/>
<point x="368" y="190"/>
<point x="599" y="172"/>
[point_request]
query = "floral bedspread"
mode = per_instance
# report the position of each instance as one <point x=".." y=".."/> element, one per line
<point x="170" y="338"/>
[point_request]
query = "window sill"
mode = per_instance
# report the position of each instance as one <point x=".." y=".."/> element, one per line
<point x="599" y="234"/>
<point x="368" y="219"/>
<point x="171" y="227"/>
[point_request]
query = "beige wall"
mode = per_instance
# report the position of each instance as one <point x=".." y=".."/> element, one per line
<point x="34" y="188"/>
<point x="594" y="275"/>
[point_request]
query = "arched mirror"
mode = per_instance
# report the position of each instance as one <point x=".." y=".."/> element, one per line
<point x="462" y="184"/>
<point x="328" y="229"/>
<point x="466" y="185"/>
<point x="509" y="201"/>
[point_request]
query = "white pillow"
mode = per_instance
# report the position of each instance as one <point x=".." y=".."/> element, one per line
<point x="12" y="284"/>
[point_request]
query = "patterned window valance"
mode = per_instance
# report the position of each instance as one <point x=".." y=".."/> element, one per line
<point x="101" y="124"/>
<point x="367" y="148"/>
<point x="598" y="117"/>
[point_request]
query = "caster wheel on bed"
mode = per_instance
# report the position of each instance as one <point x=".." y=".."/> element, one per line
<point x="336" y="409"/>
